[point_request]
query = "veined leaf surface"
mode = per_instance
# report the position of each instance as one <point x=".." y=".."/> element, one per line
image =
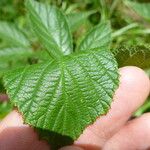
<point x="67" y="95"/>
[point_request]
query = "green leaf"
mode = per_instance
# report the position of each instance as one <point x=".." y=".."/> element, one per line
<point x="51" y="27"/>
<point x="143" y="9"/>
<point x="138" y="55"/>
<point x="10" y="33"/>
<point x="100" y="36"/>
<point x="13" y="53"/>
<point x="65" y="96"/>
<point x="75" y="20"/>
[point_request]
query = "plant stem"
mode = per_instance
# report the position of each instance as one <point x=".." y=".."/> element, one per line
<point x="104" y="10"/>
<point x="124" y="30"/>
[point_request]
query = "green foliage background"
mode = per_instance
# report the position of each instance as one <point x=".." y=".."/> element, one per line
<point x="130" y="33"/>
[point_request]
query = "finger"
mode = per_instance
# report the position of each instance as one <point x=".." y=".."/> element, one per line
<point x="71" y="148"/>
<point x="17" y="136"/>
<point x="135" y="135"/>
<point x="132" y="92"/>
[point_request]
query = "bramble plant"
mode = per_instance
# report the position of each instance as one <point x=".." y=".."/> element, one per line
<point x="66" y="86"/>
<point x="70" y="90"/>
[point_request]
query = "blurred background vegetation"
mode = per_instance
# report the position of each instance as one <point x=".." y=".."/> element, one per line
<point x="130" y="21"/>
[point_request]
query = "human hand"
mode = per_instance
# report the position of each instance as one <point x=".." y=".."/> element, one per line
<point x="113" y="131"/>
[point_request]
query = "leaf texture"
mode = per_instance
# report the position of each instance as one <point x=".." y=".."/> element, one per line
<point x="100" y="36"/>
<point x="51" y="27"/>
<point x="65" y="96"/>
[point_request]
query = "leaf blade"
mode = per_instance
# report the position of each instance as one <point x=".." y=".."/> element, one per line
<point x="100" y="36"/>
<point x="65" y="99"/>
<point x="51" y="27"/>
<point x="13" y="53"/>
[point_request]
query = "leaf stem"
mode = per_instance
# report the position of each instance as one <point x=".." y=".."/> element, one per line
<point x="124" y="30"/>
<point x="104" y="10"/>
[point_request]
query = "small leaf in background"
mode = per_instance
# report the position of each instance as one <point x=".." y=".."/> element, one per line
<point x="10" y="33"/>
<point x="13" y="53"/>
<point x="51" y="27"/>
<point x="66" y="96"/>
<point x="143" y="9"/>
<point x="133" y="56"/>
<point x="99" y="36"/>
<point x="77" y="19"/>
<point x="13" y="57"/>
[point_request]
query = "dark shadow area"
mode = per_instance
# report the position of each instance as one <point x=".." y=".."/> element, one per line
<point x="55" y="140"/>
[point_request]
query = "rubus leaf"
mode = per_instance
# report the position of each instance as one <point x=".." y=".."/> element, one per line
<point x="51" y="27"/>
<point x="10" y="33"/>
<point x="143" y="9"/>
<point x="77" y="19"/>
<point x="13" y="53"/>
<point x="100" y="36"/>
<point x="138" y="55"/>
<point x="67" y="95"/>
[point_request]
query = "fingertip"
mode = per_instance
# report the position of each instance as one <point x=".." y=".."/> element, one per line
<point x="135" y="83"/>
<point x="135" y="77"/>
